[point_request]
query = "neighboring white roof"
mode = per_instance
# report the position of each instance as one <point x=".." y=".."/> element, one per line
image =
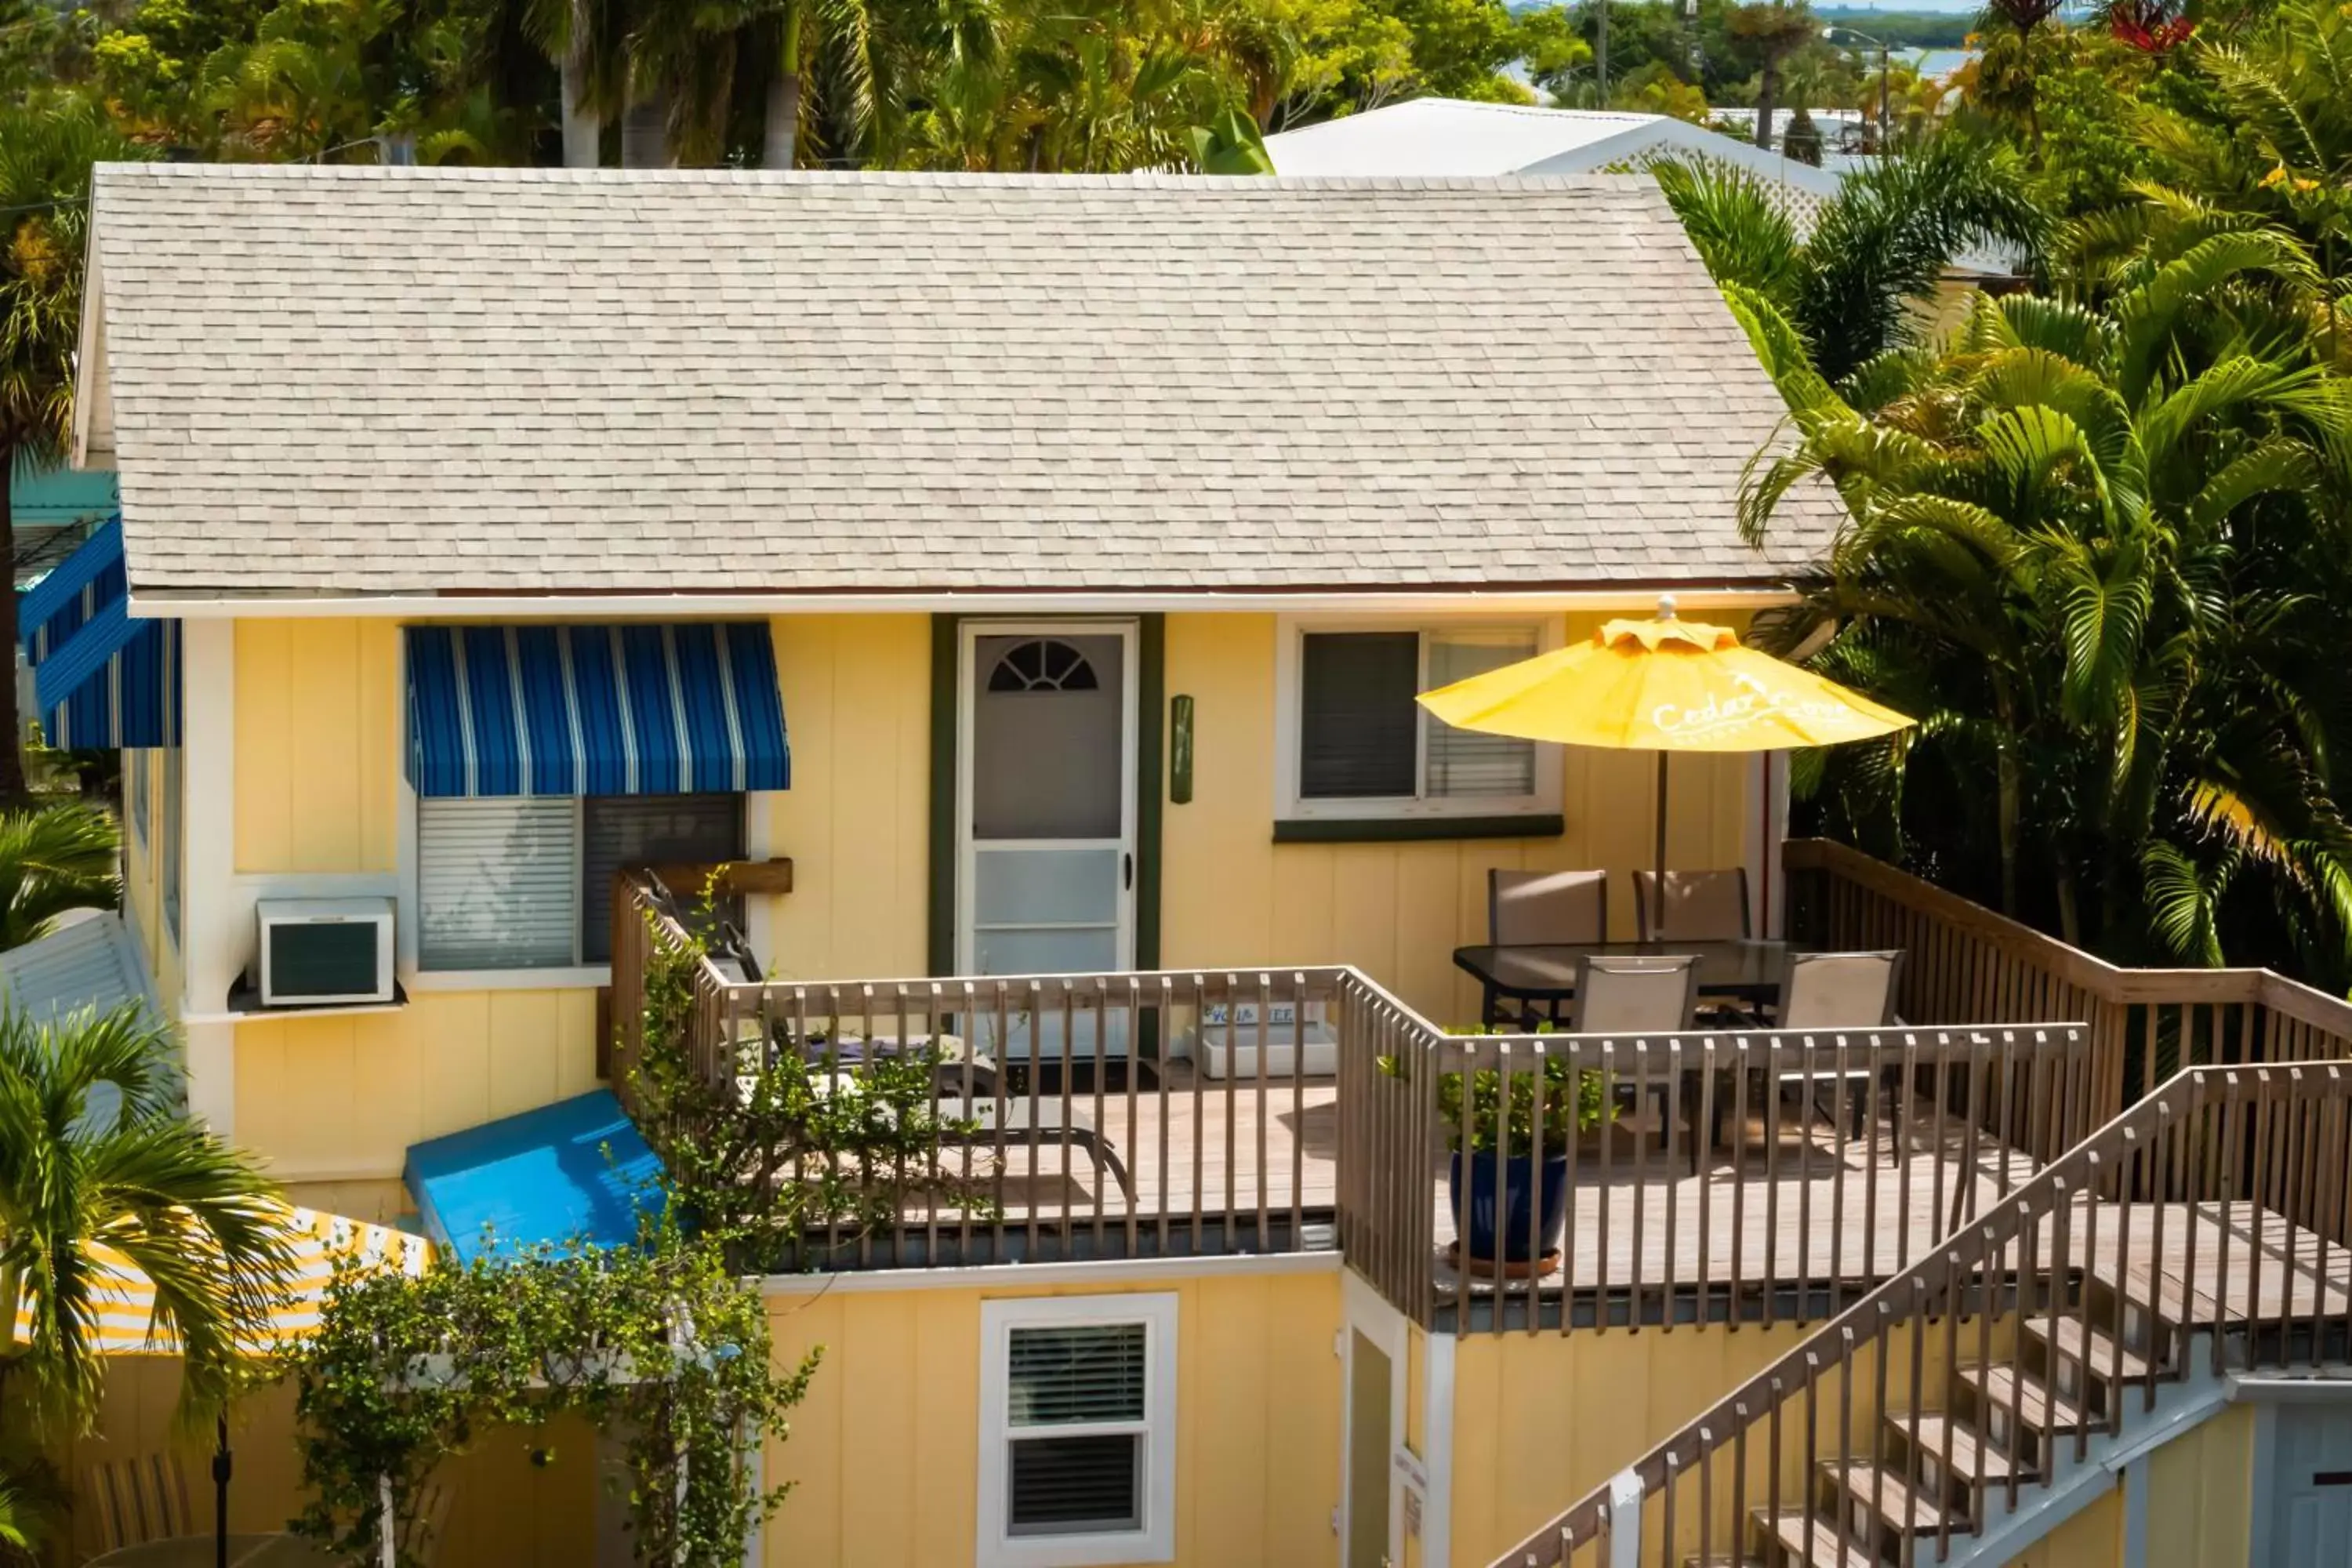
<point x="92" y="963"/>
<point x="327" y="380"/>
<point x="1451" y="136"/>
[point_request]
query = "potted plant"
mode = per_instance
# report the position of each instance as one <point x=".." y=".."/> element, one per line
<point x="1507" y="1175"/>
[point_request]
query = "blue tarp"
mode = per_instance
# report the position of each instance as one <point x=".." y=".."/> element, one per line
<point x="576" y="1169"/>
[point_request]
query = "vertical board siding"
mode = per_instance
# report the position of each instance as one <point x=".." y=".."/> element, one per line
<point x="855" y="824"/>
<point x="1234" y="898"/>
<point x="318" y="736"/>
<point x="504" y="1510"/>
<point x="898" y="1397"/>
<point x="342" y="1098"/>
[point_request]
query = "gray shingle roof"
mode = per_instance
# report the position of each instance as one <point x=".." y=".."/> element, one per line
<point x="399" y="380"/>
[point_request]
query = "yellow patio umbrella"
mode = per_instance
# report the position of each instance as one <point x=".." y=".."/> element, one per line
<point x="1662" y="685"/>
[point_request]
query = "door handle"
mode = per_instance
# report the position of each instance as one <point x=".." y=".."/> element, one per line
<point x="1127" y="871"/>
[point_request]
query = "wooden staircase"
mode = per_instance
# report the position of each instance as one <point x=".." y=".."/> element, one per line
<point x="1940" y="1477"/>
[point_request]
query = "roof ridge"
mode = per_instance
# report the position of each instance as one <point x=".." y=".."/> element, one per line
<point x="755" y="179"/>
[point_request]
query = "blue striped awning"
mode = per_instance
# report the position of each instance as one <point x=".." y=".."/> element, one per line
<point x="63" y="602"/>
<point x="595" y="709"/>
<point x="115" y="682"/>
<point x="101" y="679"/>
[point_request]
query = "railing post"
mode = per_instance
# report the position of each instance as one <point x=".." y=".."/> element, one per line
<point x="1625" y="1520"/>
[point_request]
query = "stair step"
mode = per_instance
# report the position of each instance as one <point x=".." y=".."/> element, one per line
<point x="1952" y="1443"/>
<point x="1998" y="1386"/>
<point x="1719" y="1561"/>
<point x="1882" y="1493"/>
<point x="2068" y="1343"/>
<point x="1828" y="1547"/>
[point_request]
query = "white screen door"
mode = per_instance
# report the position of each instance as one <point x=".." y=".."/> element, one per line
<point x="1048" y="806"/>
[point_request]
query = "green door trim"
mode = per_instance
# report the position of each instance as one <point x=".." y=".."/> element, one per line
<point x="1151" y="763"/>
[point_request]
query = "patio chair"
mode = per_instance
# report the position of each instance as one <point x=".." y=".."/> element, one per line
<point x="1535" y="908"/>
<point x="1698" y="906"/>
<point x="1639" y="994"/>
<point x="1832" y="990"/>
<point x="137" y="1499"/>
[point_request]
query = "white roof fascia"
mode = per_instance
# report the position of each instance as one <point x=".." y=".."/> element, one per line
<point x="1684" y="136"/>
<point x="1639" y="599"/>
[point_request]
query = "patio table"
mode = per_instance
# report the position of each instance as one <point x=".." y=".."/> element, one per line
<point x="1541" y="978"/>
<point x="201" y="1551"/>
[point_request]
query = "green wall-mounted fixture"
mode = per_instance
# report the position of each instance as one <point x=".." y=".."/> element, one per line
<point x="1180" y="749"/>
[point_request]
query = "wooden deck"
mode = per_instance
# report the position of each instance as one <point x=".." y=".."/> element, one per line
<point x="1812" y="1203"/>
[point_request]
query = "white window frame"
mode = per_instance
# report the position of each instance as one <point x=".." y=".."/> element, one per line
<point x="137" y="786"/>
<point x="1290" y="641"/>
<point x="1156" y="1542"/>
<point x="410" y="919"/>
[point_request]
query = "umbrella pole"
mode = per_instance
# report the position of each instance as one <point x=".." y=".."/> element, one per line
<point x="1660" y="910"/>
<point x="223" y="1461"/>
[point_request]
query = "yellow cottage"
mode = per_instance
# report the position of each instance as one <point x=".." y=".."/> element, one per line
<point x="1022" y="584"/>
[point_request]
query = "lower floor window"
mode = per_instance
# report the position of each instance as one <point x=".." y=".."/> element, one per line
<point x="1078" y="1431"/>
<point x="525" y="881"/>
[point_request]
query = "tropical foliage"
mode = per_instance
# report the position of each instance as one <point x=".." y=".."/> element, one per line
<point x="2097" y="529"/>
<point x="54" y="860"/>
<point x="96" y="1152"/>
<point x="662" y="1345"/>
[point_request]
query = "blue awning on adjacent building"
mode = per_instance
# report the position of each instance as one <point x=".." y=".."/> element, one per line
<point x="575" y="1171"/>
<point x="102" y="677"/>
<point x="51" y="611"/>
<point x="595" y="709"/>
<point x="115" y="683"/>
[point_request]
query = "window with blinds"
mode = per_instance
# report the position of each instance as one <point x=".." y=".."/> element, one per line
<point x="1077" y="1418"/>
<point x="651" y="830"/>
<point x="173" y="848"/>
<point x="497" y="881"/>
<point x="526" y="881"/>
<point x="1081" y="1393"/>
<point x="1363" y="742"/>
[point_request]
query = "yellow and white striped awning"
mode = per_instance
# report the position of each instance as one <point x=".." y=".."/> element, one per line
<point x="319" y="1241"/>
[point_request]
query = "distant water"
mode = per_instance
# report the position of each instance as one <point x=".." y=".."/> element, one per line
<point x="1937" y="64"/>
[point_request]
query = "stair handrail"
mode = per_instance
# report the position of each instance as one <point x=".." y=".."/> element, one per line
<point x="2130" y="1152"/>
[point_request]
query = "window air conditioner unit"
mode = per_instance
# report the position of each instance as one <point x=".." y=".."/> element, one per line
<point x="321" y="951"/>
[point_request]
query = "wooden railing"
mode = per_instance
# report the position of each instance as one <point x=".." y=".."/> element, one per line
<point x="1872" y="1143"/>
<point x="1966" y="965"/>
<point x="1326" y="1128"/>
<point x="2204" y="1229"/>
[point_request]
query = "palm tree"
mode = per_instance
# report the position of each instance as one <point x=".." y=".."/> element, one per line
<point x="46" y="155"/>
<point x="95" y="1150"/>
<point x="1847" y="288"/>
<point x="2096" y="551"/>
<point x="54" y="860"/>
<point x="1774" y="29"/>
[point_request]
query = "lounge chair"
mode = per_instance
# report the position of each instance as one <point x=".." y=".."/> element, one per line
<point x="137" y="1499"/>
<point x="967" y="1085"/>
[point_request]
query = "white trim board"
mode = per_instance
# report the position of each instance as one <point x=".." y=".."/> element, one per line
<point x="1044" y="1278"/>
<point x="1639" y="599"/>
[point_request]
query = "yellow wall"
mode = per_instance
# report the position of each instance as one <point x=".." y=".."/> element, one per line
<point x="1232" y="896"/>
<point x="341" y="1098"/>
<point x="855" y="824"/>
<point x="882" y="1456"/>
<point x="1541" y="1420"/>
<point x="143" y="878"/>
<point x="2201" y="1495"/>
<point x="319" y="737"/>
<point x="503" y="1509"/>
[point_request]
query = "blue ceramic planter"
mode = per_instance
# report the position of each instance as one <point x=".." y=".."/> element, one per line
<point x="1519" y="1175"/>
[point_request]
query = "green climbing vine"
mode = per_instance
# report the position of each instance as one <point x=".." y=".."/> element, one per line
<point x="790" y="1144"/>
<point x="660" y="1345"/>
